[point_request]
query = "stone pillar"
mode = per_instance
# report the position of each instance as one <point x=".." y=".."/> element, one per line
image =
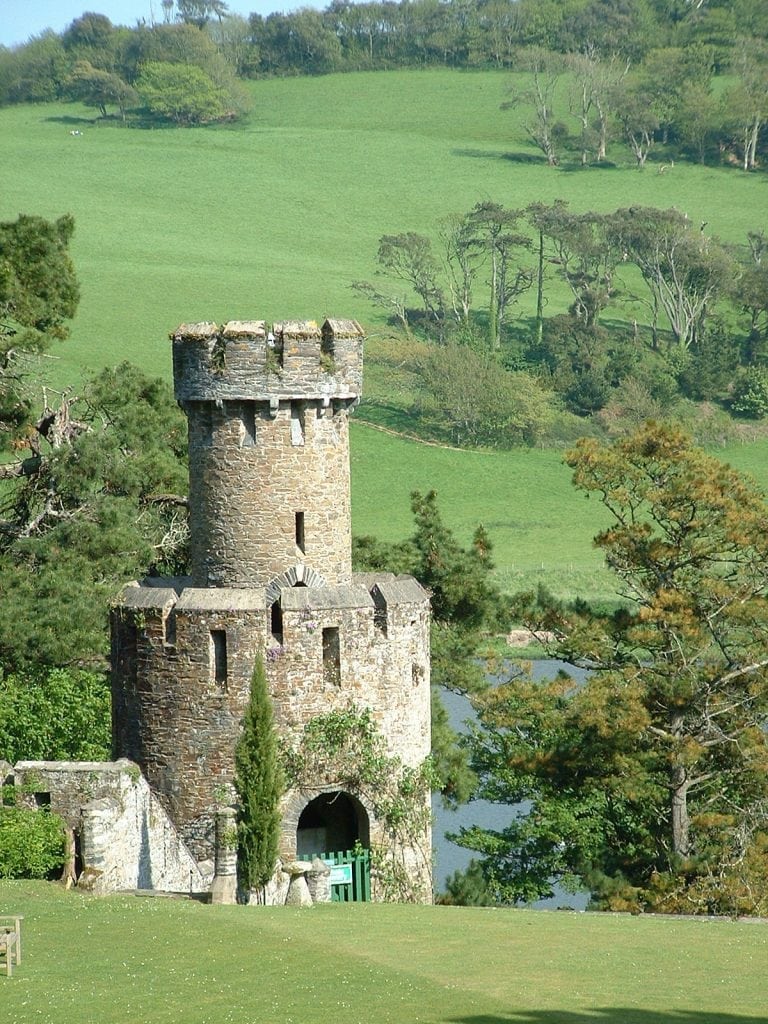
<point x="224" y="886"/>
<point x="319" y="881"/>
<point x="98" y="845"/>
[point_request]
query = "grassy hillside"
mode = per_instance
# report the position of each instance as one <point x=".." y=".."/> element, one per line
<point x="278" y="215"/>
<point x="106" y="961"/>
<point x="541" y="528"/>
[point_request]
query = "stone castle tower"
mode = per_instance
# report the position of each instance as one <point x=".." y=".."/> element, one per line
<point x="271" y="574"/>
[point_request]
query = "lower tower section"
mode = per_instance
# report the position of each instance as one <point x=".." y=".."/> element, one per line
<point x="183" y="658"/>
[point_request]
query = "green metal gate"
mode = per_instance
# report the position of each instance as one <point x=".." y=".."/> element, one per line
<point x="350" y="875"/>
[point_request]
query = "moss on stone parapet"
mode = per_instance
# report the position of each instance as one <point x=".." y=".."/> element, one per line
<point x="247" y="360"/>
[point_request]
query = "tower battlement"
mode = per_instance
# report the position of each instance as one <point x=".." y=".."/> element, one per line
<point x="246" y="360"/>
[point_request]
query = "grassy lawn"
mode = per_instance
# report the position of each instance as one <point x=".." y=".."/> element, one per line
<point x="106" y="961"/>
<point x="277" y="216"/>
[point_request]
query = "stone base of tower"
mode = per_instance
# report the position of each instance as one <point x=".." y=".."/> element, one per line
<point x="183" y="658"/>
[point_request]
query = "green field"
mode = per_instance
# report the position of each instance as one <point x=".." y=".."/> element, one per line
<point x="124" y="958"/>
<point x="277" y="216"/>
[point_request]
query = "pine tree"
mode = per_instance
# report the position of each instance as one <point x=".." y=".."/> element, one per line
<point x="258" y="781"/>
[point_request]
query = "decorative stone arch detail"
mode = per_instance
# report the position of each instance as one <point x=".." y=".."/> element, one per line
<point x="297" y="574"/>
<point x="295" y="803"/>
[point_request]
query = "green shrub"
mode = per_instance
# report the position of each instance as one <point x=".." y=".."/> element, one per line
<point x="750" y="395"/>
<point x="478" y="402"/>
<point x="31" y="843"/>
<point x="259" y="785"/>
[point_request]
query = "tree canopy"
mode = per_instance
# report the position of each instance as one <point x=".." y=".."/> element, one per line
<point x="39" y="294"/>
<point x="648" y="782"/>
<point x="466" y="608"/>
<point x="90" y="502"/>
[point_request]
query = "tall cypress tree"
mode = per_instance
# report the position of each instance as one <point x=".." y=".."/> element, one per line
<point x="258" y="781"/>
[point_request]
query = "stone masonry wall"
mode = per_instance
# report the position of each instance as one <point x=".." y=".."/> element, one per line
<point x="175" y="718"/>
<point x="189" y="722"/>
<point x="238" y="361"/>
<point x="269" y="448"/>
<point x="247" y="487"/>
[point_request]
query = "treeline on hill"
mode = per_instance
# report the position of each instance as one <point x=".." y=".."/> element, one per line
<point x="664" y="322"/>
<point x="691" y="75"/>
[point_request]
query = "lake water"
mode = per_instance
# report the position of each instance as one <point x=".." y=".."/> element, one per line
<point x="448" y="856"/>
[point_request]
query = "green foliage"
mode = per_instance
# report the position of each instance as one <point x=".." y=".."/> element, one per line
<point x="465" y="600"/>
<point x="31" y="843"/>
<point x="467" y="888"/>
<point x="182" y="93"/>
<point x="38" y="294"/>
<point x="59" y="715"/>
<point x="347" y="747"/>
<point x="98" y="502"/>
<point x="750" y="394"/>
<point x="649" y="781"/>
<point x="97" y="88"/>
<point x="466" y="606"/>
<point x="258" y="781"/>
<point x="477" y="402"/>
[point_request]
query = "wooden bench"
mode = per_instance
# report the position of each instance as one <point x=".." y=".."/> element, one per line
<point x="10" y="942"/>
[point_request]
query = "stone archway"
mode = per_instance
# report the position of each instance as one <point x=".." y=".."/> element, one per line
<point x="299" y="575"/>
<point x="331" y="821"/>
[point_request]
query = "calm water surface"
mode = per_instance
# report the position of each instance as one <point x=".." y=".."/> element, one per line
<point x="448" y="856"/>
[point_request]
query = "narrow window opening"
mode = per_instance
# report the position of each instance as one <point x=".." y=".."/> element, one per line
<point x="299" y="524"/>
<point x="42" y="799"/>
<point x="331" y="656"/>
<point x="170" y="628"/>
<point x="249" y="424"/>
<point x="417" y="674"/>
<point x="219" y="653"/>
<point x="275" y="350"/>
<point x="379" y="610"/>
<point x="297" y="424"/>
<point x="327" y="354"/>
<point x="205" y="424"/>
<point x="276" y="622"/>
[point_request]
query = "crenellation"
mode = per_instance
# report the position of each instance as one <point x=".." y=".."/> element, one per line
<point x="243" y="360"/>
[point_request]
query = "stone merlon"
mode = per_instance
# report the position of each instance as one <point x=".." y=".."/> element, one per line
<point x="245" y="360"/>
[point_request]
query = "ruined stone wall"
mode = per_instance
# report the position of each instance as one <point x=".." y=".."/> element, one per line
<point x="126" y="839"/>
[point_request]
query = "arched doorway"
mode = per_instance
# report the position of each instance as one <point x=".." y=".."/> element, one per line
<point x="332" y="821"/>
<point x="335" y="825"/>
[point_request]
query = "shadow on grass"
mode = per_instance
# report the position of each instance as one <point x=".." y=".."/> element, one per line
<point x="605" y="1015"/>
<point x="574" y="166"/>
<point x="69" y="119"/>
<point x="488" y="154"/>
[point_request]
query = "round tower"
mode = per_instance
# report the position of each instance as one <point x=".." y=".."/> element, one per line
<point x="269" y="499"/>
<point x="271" y="580"/>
